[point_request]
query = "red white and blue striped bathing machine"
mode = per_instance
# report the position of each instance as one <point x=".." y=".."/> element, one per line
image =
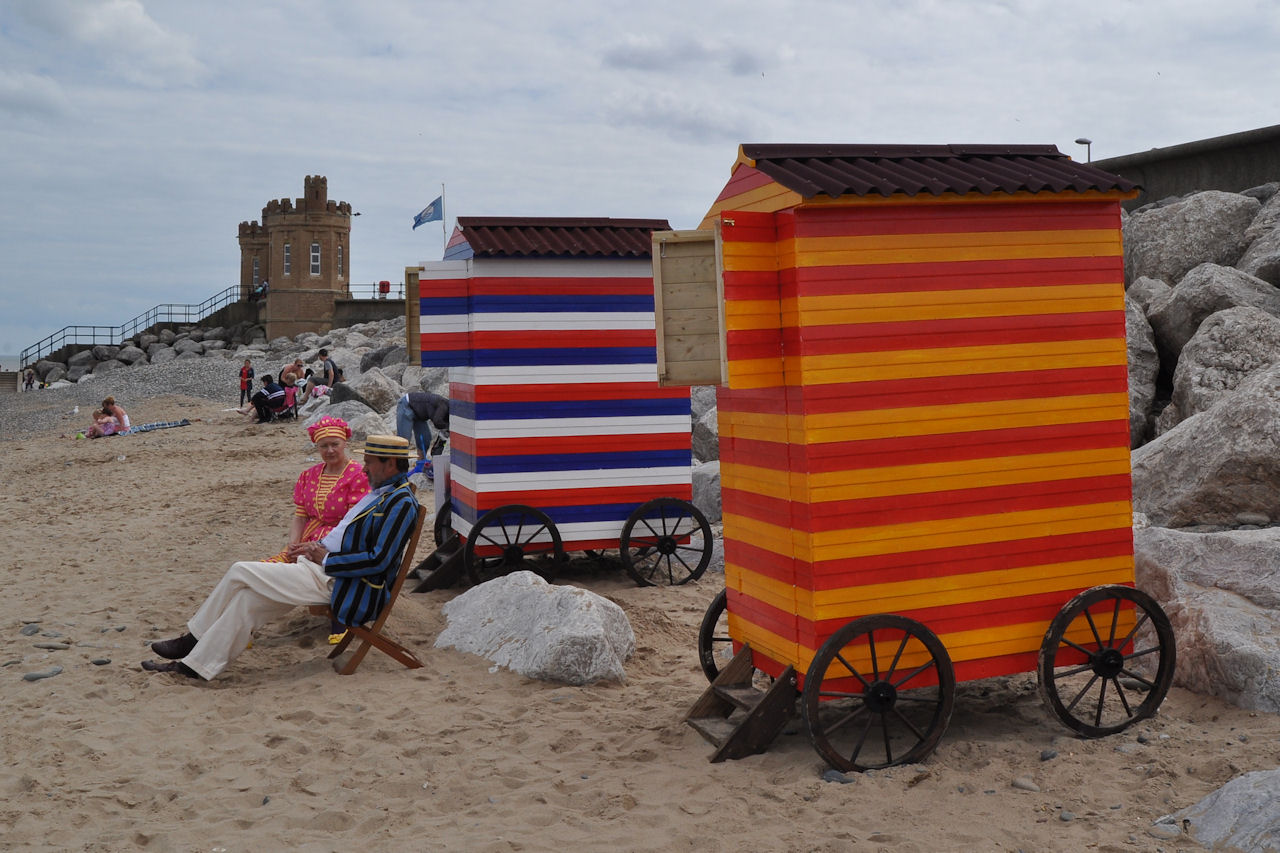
<point x="561" y="438"/>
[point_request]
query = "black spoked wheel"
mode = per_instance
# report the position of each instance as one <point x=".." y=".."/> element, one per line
<point x="1107" y="660"/>
<point x="442" y="527"/>
<point x="878" y="693"/>
<point x="665" y="541"/>
<point x="714" y="645"/>
<point x="509" y="539"/>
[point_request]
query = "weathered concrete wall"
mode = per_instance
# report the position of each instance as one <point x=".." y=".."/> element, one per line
<point x="348" y="312"/>
<point x="1232" y="163"/>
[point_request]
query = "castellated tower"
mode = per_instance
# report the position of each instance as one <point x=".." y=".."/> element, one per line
<point x="302" y="248"/>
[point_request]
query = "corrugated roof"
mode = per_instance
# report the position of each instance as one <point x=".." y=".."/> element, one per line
<point x="518" y="236"/>
<point x="887" y="170"/>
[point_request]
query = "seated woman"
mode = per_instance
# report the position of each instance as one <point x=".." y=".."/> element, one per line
<point x="324" y="492"/>
<point x="103" y="425"/>
<point x="115" y="410"/>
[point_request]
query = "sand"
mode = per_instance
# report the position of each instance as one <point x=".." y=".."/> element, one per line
<point x="112" y="544"/>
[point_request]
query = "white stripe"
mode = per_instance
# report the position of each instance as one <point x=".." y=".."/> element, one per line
<point x="443" y="270"/>
<point x="549" y="481"/>
<point x="551" y="374"/>
<point x="537" y="427"/>
<point x="562" y="268"/>
<point x="435" y="324"/>
<point x="570" y="534"/>
<point x="534" y="321"/>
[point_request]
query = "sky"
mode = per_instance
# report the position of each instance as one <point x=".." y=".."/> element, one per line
<point x="135" y="135"/>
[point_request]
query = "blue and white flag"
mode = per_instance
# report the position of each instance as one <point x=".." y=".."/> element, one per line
<point x="433" y="212"/>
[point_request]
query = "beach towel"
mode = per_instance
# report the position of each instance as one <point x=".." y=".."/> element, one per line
<point x="156" y="425"/>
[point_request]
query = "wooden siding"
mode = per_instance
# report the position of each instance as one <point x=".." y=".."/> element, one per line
<point x="927" y="414"/>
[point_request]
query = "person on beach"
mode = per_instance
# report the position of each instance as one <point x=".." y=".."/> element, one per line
<point x="324" y="493"/>
<point x="327" y="376"/>
<point x="115" y="410"/>
<point x="350" y="569"/>
<point x="29" y="380"/>
<point x="416" y="414"/>
<point x="103" y="425"/>
<point x="290" y="373"/>
<point x="265" y="400"/>
<point x="246" y="380"/>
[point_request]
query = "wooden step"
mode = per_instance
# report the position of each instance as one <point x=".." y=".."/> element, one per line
<point x="442" y="568"/>
<point x="740" y="719"/>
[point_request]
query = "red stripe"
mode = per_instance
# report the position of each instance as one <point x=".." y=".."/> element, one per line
<point x="567" y="285"/>
<point x="952" y="275"/>
<point x="955" y="218"/>
<point x="544" y="500"/>
<point x="432" y="341"/>
<point x="851" y="572"/>
<point x="744" y="179"/>
<point x="551" y="445"/>
<point x="574" y="391"/>
<point x="529" y="339"/>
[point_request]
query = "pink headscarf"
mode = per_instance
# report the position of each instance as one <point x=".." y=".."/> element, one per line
<point x="329" y="427"/>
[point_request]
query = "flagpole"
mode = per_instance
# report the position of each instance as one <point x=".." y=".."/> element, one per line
<point x="444" y="240"/>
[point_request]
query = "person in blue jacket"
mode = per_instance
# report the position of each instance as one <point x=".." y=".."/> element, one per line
<point x="351" y="569"/>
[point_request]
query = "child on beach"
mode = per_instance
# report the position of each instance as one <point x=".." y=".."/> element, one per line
<point x="103" y="425"/>
<point x="246" y="380"/>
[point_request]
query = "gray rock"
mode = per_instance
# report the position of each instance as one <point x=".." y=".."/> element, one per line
<point x="103" y="352"/>
<point x="44" y="365"/>
<point x="146" y="339"/>
<point x="56" y="374"/>
<point x="1222" y="606"/>
<point x="131" y="355"/>
<point x="1263" y="192"/>
<point x="702" y="399"/>
<point x="1262" y="258"/>
<point x="348" y="410"/>
<point x="434" y="381"/>
<point x="1145" y="291"/>
<point x="706" y="490"/>
<point x="168" y="336"/>
<point x="373" y="358"/>
<point x="188" y="356"/>
<point x="553" y="633"/>
<point x="395" y="372"/>
<point x="53" y="647"/>
<point x="214" y="345"/>
<point x="77" y="372"/>
<point x="343" y="392"/>
<point x="373" y="386"/>
<point x="47" y="673"/>
<point x="1259" y="519"/>
<point x="107" y="366"/>
<point x="84" y="358"/>
<point x="1266" y="221"/>
<point x="1228" y="347"/>
<point x="1144" y="365"/>
<point x="1025" y="783"/>
<point x="29" y="630"/>
<point x="280" y="343"/>
<point x="196" y="334"/>
<point x="312" y="405"/>
<point x="398" y="355"/>
<point x="217" y="333"/>
<point x="187" y="345"/>
<point x="837" y="776"/>
<point x="159" y="354"/>
<point x="705" y="438"/>
<point x="1204" y="291"/>
<point x="1223" y="461"/>
<point x="1243" y="814"/>
<point x="370" y="423"/>
<point x="1206" y="227"/>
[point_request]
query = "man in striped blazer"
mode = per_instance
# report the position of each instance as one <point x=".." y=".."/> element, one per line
<point x="351" y="569"/>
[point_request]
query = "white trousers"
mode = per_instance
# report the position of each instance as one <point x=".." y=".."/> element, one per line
<point x="249" y="596"/>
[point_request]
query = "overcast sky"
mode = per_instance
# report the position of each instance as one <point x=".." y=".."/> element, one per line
<point x="135" y="135"/>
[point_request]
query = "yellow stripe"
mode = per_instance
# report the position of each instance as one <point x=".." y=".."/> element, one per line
<point x="922" y="420"/>
<point x="901" y="538"/>
<point x="1091" y="244"/>
<point x="948" y="240"/>
<point x="766" y="198"/>
<point x="853" y="309"/>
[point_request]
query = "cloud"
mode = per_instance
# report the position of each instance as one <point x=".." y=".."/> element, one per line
<point x="681" y="116"/>
<point x="123" y="37"/>
<point x="649" y="53"/>
<point x="26" y="94"/>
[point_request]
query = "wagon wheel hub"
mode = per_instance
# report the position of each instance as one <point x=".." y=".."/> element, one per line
<point x="666" y="545"/>
<point x="512" y="554"/>
<point x="1107" y="663"/>
<point x="880" y="697"/>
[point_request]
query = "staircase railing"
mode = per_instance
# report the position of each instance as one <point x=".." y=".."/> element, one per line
<point x="169" y="313"/>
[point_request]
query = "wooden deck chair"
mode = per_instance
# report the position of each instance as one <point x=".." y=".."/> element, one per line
<point x="372" y="635"/>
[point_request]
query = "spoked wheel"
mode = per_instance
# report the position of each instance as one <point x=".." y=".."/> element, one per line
<point x="1107" y="660"/>
<point x="442" y="527"/>
<point x="714" y="644"/>
<point x="665" y="541"/>
<point x="509" y="539"/>
<point x="878" y="693"/>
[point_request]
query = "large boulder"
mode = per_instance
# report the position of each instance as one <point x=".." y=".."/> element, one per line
<point x="1222" y="597"/>
<point x="103" y="352"/>
<point x="159" y="354"/>
<point x="373" y="358"/>
<point x="1214" y="465"/>
<point x="553" y="633"/>
<point x="131" y="355"/>
<point x="196" y="334"/>
<point x="367" y="424"/>
<point x="343" y="392"/>
<point x="76" y="372"/>
<point x="218" y="333"/>
<point x="376" y="389"/>
<point x="57" y="373"/>
<point x="187" y="345"/>
<point x="146" y="339"/>
<point x="1205" y="290"/>
<point x="1229" y="346"/>
<point x="702" y="399"/>
<point x="705" y="439"/>
<point x="1144" y="365"/>
<point x="1243" y="814"/>
<point x="1167" y="242"/>
<point x="84" y="358"/>
<point x="348" y="410"/>
<point x="168" y="336"/>
<point x="104" y="367"/>
<point x="212" y="345"/>
<point x="706" y="490"/>
<point x="1145" y="291"/>
<point x="44" y="365"/>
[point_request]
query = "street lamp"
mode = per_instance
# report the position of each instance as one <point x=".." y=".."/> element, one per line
<point x="1088" y="148"/>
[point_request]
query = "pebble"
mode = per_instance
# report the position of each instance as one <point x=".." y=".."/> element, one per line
<point x="100" y="661"/>
<point x="48" y="673"/>
<point x="1165" y="831"/>
<point x="833" y="775"/>
<point x="1066" y="816"/>
<point x="51" y="633"/>
<point x="56" y="647"/>
<point x="1025" y="783"/>
<point x="1048" y="754"/>
<point x="29" y="630"/>
<point x="1143" y="739"/>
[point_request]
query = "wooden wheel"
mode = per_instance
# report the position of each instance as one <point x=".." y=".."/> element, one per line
<point x="511" y="538"/>
<point x="665" y="541"/>
<point x="878" y="693"/>
<point x="714" y="644"/>
<point x="1107" y="660"/>
<point x="442" y="527"/>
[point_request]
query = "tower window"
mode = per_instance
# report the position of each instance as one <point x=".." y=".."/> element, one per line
<point x="315" y="259"/>
<point x="288" y="260"/>
<point x="340" y="257"/>
<point x="255" y="272"/>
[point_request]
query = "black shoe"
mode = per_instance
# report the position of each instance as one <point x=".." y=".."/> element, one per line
<point x="174" y="666"/>
<point x="175" y="649"/>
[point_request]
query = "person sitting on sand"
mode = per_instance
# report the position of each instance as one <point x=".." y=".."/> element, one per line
<point x="111" y="407"/>
<point x="350" y="569"/>
<point x="266" y="399"/>
<point x="103" y="425"/>
<point x="290" y="373"/>
<point x="324" y="492"/>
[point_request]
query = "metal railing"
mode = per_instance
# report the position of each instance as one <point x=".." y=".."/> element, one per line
<point x="373" y="291"/>
<point x="171" y="313"/>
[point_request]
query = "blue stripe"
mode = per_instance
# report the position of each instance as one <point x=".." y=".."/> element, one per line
<point x="555" y="302"/>
<point x="446" y="358"/>
<point x="568" y="409"/>
<point x="586" y="355"/>
<point x="430" y="306"/>
<point x="525" y="463"/>
<point x="460" y="252"/>
<point x="562" y="515"/>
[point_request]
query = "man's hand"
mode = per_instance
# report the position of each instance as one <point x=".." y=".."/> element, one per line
<point x="313" y="551"/>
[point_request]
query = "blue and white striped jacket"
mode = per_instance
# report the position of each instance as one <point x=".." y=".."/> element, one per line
<point x="365" y="567"/>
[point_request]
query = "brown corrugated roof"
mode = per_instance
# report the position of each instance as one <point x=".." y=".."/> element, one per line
<point x="886" y="170"/>
<point x="541" y="236"/>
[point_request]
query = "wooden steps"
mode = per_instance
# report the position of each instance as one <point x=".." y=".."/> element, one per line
<point x="442" y="568"/>
<point x="738" y="718"/>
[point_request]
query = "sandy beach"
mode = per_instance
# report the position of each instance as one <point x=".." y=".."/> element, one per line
<point x="111" y="544"/>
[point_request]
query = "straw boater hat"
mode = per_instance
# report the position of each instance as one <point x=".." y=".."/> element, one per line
<point x="389" y="446"/>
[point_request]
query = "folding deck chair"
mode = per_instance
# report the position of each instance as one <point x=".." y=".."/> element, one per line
<point x="372" y="635"/>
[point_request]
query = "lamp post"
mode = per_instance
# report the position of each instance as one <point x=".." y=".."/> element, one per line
<point x="1088" y="148"/>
